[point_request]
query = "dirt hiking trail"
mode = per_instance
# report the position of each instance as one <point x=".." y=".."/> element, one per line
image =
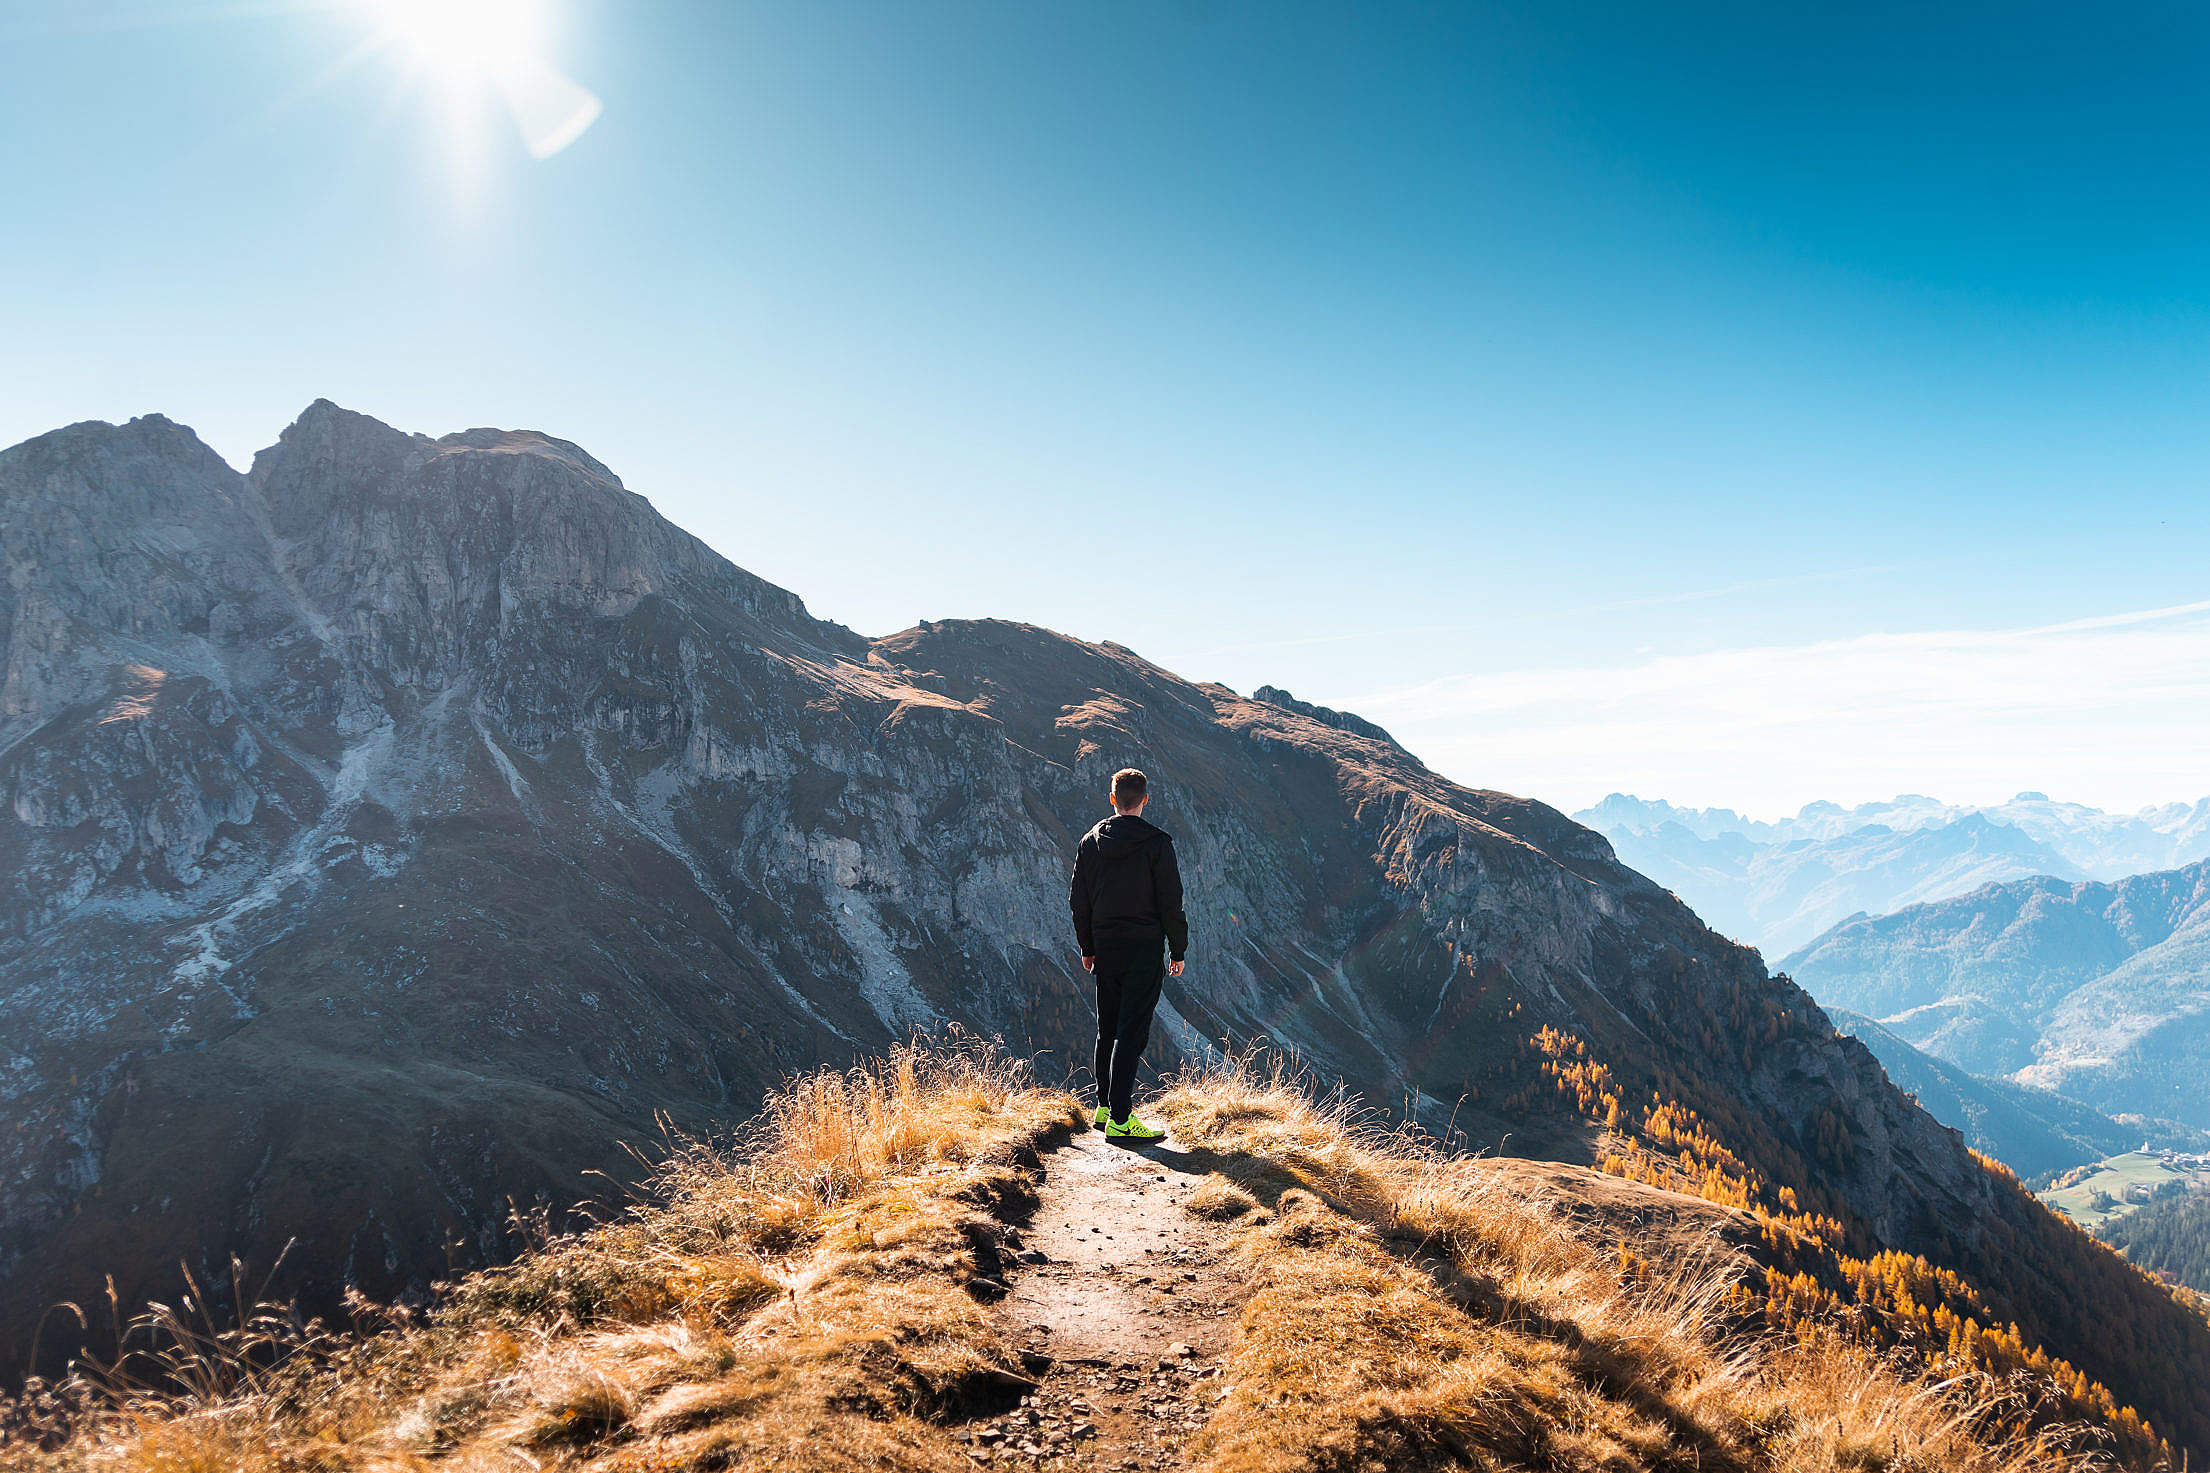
<point x="1125" y="1300"/>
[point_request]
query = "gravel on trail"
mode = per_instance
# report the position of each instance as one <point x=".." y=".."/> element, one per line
<point x="1125" y="1301"/>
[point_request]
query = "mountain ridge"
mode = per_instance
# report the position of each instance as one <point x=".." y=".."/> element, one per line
<point x="2094" y="988"/>
<point x="397" y="826"/>
<point x="2032" y="1131"/>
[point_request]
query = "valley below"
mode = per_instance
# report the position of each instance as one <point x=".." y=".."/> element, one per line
<point x="2096" y="990"/>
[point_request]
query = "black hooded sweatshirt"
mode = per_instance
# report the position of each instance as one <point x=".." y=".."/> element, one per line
<point x="1127" y="887"/>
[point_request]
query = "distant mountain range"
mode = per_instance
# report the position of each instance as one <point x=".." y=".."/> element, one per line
<point x="2098" y="989"/>
<point x="1777" y="885"/>
<point x="2032" y="1131"/>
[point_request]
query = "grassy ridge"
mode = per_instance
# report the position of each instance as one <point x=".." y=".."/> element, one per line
<point x="818" y="1296"/>
<point x="803" y="1300"/>
<point x="1418" y="1310"/>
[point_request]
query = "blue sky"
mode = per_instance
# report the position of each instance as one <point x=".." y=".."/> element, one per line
<point x="1740" y="404"/>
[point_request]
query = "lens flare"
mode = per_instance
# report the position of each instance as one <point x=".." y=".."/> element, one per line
<point x="468" y="45"/>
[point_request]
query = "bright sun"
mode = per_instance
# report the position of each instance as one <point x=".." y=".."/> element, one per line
<point x="497" y="45"/>
<point x="471" y="38"/>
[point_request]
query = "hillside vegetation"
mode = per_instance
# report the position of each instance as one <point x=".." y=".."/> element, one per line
<point x="823" y="1293"/>
<point x="800" y="1299"/>
<point x="2020" y="1293"/>
<point x="1415" y="1311"/>
<point x="2169" y="1238"/>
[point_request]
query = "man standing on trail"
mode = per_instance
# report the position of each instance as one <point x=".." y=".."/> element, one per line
<point x="1127" y="900"/>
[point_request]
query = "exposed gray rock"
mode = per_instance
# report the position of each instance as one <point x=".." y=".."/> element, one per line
<point x="1274" y="695"/>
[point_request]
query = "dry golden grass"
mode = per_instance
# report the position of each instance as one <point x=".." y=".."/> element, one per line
<point x="1414" y="1310"/>
<point x="807" y="1300"/>
<point x="1219" y="1198"/>
<point x="804" y="1299"/>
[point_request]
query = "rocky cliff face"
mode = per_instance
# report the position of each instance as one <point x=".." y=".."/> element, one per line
<point x="2032" y="1131"/>
<point x="397" y="828"/>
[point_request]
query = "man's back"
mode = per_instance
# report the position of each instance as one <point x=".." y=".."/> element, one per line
<point x="1127" y="887"/>
<point x="1127" y="897"/>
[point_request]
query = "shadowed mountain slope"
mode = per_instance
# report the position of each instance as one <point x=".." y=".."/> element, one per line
<point x="2031" y="1131"/>
<point x="395" y="829"/>
<point x="2101" y="991"/>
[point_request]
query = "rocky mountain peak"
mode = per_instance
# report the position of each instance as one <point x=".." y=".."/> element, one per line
<point x="1274" y="695"/>
<point x="160" y="435"/>
<point x="328" y="423"/>
<point x="529" y="442"/>
<point x="143" y="458"/>
<point x="323" y="459"/>
<point x="496" y="532"/>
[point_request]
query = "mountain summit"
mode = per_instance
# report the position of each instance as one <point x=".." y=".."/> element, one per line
<point x="398" y="827"/>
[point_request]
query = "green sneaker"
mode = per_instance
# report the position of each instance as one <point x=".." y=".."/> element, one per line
<point x="1101" y="1119"/>
<point x="1132" y="1129"/>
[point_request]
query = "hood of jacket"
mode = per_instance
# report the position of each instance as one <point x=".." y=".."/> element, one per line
<point x="1123" y="834"/>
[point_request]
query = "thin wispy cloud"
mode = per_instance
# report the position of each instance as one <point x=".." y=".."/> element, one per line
<point x="2114" y="621"/>
<point x="2112" y="709"/>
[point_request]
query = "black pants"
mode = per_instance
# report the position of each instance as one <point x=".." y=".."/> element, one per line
<point x="1128" y="980"/>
